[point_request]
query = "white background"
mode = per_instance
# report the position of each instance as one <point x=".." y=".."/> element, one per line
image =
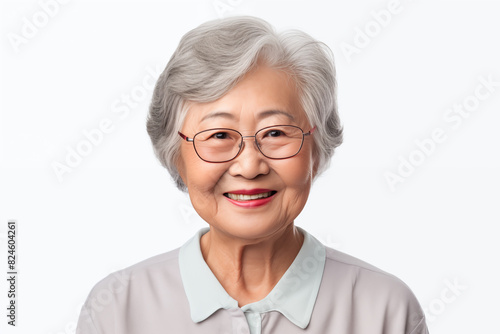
<point x="118" y="206"/>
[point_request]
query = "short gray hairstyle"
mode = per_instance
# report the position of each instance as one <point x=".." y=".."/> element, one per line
<point x="212" y="58"/>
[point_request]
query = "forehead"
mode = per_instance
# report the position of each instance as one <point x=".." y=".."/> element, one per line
<point x="262" y="94"/>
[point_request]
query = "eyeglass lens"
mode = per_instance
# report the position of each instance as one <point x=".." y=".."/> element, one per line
<point x="276" y="142"/>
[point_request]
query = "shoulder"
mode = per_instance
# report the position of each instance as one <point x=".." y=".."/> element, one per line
<point x="361" y="274"/>
<point x="149" y="276"/>
<point x="368" y="287"/>
<point x="165" y="264"/>
<point x="381" y="299"/>
<point x="140" y="293"/>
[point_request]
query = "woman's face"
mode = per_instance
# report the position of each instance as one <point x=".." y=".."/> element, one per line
<point x="250" y="106"/>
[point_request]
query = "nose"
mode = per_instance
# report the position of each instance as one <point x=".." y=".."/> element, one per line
<point x="250" y="162"/>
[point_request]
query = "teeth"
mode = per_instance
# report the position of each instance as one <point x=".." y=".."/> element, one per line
<point x="241" y="197"/>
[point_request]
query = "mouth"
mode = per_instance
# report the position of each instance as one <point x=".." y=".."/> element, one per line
<point x="246" y="197"/>
<point x="250" y="198"/>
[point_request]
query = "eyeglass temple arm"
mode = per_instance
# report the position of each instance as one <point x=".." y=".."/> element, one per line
<point x="185" y="137"/>
<point x="310" y="132"/>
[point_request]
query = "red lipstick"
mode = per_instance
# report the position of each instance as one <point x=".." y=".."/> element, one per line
<point x="249" y="202"/>
<point x="250" y="191"/>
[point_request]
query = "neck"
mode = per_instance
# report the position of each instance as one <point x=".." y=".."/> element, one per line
<point x="249" y="269"/>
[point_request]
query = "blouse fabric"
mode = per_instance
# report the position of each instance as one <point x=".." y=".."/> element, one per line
<point x="323" y="291"/>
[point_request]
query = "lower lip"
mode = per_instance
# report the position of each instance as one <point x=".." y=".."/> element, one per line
<point x="252" y="203"/>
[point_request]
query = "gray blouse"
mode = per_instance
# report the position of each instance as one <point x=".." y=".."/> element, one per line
<point x="323" y="291"/>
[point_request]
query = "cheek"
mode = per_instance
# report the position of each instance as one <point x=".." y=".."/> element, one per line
<point x="199" y="176"/>
<point x="297" y="176"/>
<point x="300" y="171"/>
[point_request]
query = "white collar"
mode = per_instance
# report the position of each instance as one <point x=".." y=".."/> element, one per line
<point x="293" y="296"/>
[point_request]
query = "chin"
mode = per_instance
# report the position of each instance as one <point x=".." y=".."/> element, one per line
<point x="249" y="228"/>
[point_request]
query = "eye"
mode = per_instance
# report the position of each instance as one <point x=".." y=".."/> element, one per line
<point x="220" y="135"/>
<point x="274" y="133"/>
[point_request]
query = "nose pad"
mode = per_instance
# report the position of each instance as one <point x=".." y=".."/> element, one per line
<point x="242" y="145"/>
<point x="249" y="164"/>
<point x="254" y="144"/>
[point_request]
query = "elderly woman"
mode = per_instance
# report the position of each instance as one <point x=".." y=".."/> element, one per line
<point x="245" y="119"/>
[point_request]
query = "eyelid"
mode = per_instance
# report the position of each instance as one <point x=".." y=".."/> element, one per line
<point x="267" y="131"/>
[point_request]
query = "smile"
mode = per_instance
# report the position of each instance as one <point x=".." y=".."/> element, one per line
<point x="250" y="198"/>
<point x="245" y="197"/>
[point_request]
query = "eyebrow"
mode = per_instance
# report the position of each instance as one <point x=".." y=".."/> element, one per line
<point x="273" y="112"/>
<point x="217" y="114"/>
<point x="260" y="116"/>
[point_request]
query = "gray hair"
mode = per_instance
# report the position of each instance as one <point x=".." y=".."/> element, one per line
<point x="212" y="58"/>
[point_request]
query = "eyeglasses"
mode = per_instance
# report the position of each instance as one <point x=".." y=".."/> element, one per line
<point x="223" y="145"/>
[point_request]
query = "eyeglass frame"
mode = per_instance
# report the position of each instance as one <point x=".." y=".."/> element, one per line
<point x="191" y="140"/>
